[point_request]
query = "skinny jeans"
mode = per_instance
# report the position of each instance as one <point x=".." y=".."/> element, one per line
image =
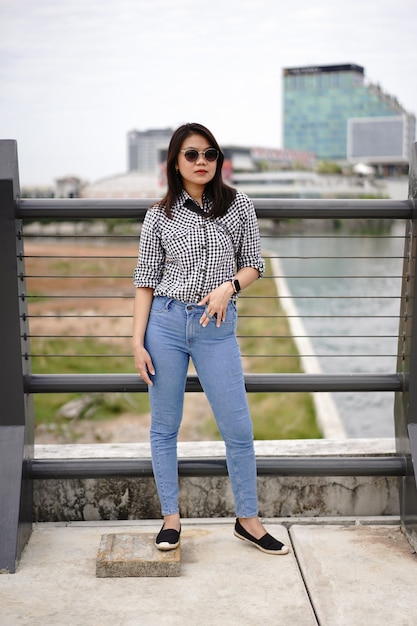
<point x="173" y="336"/>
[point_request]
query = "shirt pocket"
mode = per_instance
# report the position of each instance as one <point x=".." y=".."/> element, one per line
<point x="176" y="243"/>
<point x="223" y="244"/>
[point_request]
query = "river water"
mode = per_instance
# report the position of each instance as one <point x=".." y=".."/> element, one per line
<point x="347" y="292"/>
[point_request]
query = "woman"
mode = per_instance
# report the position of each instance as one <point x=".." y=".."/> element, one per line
<point x="199" y="247"/>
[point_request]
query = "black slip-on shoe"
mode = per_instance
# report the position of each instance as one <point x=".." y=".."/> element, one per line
<point x="267" y="543"/>
<point x="168" y="539"/>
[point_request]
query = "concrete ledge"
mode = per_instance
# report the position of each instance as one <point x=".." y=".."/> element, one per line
<point x="207" y="497"/>
<point x="123" y="555"/>
<point x="293" y="447"/>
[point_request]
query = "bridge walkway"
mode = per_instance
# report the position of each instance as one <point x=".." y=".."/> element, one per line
<point x="340" y="572"/>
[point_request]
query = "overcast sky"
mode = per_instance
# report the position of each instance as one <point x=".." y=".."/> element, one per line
<point x="77" y="75"/>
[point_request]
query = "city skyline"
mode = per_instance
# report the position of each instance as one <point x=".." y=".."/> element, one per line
<point x="75" y="77"/>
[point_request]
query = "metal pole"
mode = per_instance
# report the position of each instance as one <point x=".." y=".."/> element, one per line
<point x="269" y="208"/>
<point x="131" y="383"/>
<point x="64" y="469"/>
<point x="16" y="413"/>
<point x="406" y="400"/>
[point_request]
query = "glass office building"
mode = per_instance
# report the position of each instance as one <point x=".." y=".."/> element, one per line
<point x="322" y="105"/>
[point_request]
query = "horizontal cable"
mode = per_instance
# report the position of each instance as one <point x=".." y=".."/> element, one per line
<point x="266" y="256"/>
<point x="77" y="276"/>
<point x="273" y="235"/>
<point x="314" y="354"/>
<point x="278" y="298"/>
<point x="77" y="297"/>
<point x="306" y="276"/>
<point x="332" y="316"/>
<point x="103" y="236"/>
<point x="324" y="297"/>
<point x="121" y="315"/>
<point x="90" y="336"/>
<point x="279" y="355"/>
<point x="264" y="236"/>
<point x="242" y="297"/>
<point x="89" y="257"/>
<point x="333" y="257"/>
<point x="74" y="316"/>
<point x="242" y="316"/>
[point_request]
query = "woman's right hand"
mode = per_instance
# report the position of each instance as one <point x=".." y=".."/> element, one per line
<point x="143" y="364"/>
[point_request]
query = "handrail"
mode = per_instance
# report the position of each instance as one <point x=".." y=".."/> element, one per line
<point x="64" y="383"/>
<point x="268" y="208"/>
<point x="52" y="469"/>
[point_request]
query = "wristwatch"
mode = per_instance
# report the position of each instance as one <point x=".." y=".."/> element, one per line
<point x="235" y="285"/>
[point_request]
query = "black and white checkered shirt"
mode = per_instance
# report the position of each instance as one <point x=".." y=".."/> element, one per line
<point x="189" y="255"/>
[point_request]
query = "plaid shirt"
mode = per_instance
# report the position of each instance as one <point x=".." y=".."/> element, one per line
<point x="188" y="256"/>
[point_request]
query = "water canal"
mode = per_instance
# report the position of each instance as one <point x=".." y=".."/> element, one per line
<point x="346" y="288"/>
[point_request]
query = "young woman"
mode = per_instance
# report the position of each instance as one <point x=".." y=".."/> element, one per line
<point x="199" y="248"/>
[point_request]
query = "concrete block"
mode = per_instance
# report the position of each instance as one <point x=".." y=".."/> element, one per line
<point x="134" y="554"/>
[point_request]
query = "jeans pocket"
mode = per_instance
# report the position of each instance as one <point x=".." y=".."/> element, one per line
<point x="226" y="328"/>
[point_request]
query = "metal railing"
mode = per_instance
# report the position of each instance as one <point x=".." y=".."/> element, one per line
<point x="19" y="383"/>
<point x="114" y="292"/>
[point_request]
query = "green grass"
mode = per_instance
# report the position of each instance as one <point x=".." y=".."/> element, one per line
<point x="68" y="361"/>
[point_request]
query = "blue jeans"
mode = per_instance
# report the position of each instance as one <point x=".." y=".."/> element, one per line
<point x="173" y="335"/>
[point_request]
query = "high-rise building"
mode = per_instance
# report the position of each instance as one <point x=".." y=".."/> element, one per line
<point x="144" y="147"/>
<point x="333" y="112"/>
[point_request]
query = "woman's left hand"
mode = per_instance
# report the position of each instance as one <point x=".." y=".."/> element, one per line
<point x="216" y="303"/>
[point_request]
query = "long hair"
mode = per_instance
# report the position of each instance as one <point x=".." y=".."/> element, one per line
<point x="221" y="194"/>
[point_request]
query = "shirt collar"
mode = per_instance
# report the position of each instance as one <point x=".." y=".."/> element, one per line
<point x="188" y="202"/>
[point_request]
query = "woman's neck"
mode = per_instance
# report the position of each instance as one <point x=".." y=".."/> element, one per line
<point x="195" y="192"/>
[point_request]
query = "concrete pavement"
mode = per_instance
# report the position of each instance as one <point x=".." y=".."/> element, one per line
<point x="338" y="573"/>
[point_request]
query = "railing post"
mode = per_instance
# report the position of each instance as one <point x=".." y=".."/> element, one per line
<point x="406" y="402"/>
<point x="16" y="411"/>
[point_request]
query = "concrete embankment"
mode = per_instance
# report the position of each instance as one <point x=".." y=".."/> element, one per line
<point x="327" y="415"/>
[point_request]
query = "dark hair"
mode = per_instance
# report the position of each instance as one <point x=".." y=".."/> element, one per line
<point x="221" y="194"/>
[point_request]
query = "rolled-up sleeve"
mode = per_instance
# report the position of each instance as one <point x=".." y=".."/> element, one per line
<point x="151" y="258"/>
<point x="249" y="253"/>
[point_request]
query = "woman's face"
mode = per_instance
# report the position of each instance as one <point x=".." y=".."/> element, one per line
<point x="199" y="172"/>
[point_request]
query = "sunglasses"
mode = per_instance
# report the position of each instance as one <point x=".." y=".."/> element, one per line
<point x="210" y="154"/>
